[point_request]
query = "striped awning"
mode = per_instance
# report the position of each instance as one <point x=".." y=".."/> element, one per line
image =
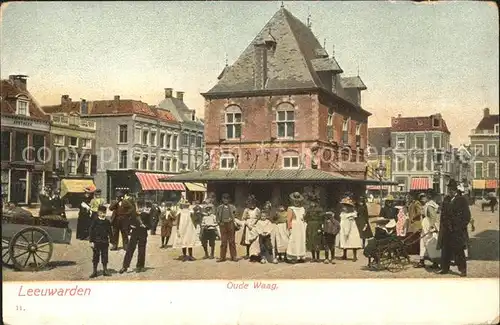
<point x="491" y="184"/>
<point x="150" y="182"/>
<point x="420" y="183"/>
<point x="479" y="184"/>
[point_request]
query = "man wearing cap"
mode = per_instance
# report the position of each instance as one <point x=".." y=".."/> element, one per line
<point x="226" y="214"/>
<point x="453" y="236"/>
<point x="389" y="211"/>
<point x="123" y="209"/>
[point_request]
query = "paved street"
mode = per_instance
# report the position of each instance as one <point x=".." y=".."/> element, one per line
<point x="73" y="262"/>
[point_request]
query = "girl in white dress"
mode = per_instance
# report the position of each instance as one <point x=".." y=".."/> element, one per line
<point x="187" y="237"/>
<point x="250" y="217"/>
<point x="296" y="250"/>
<point x="348" y="237"/>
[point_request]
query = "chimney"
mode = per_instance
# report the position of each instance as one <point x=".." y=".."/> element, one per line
<point x="399" y="115"/>
<point x="260" y="61"/>
<point x="486" y="112"/>
<point x="168" y="92"/>
<point x="20" y="81"/>
<point x="117" y="98"/>
<point x="83" y="107"/>
<point x="64" y="99"/>
<point x="180" y="95"/>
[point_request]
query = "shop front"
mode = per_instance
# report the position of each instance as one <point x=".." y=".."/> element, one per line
<point x="151" y="189"/>
<point x="195" y="192"/>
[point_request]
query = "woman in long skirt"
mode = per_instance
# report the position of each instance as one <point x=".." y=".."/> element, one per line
<point x="84" y="216"/>
<point x="187" y="236"/>
<point x="250" y="217"/>
<point x="362" y="221"/>
<point x="296" y="251"/>
<point x="348" y="237"/>
<point x="281" y="234"/>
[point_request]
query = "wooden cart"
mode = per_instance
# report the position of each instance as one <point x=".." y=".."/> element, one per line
<point x="28" y="246"/>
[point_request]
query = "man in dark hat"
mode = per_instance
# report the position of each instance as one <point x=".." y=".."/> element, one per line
<point x="84" y="216"/>
<point x="226" y="214"/>
<point x="58" y="204"/>
<point x="123" y="209"/>
<point x="453" y="236"/>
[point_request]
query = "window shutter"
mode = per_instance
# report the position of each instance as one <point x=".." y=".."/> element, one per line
<point x="222" y="126"/>
<point x="93" y="164"/>
<point x="329" y="132"/>
<point x="274" y="125"/>
<point x="80" y="169"/>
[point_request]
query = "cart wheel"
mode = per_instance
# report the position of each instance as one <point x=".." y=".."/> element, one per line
<point x="31" y="249"/>
<point x="6" y="260"/>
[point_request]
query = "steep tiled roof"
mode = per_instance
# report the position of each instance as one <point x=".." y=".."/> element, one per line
<point x="353" y="82"/>
<point x="419" y="123"/>
<point x="106" y="107"/>
<point x="379" y="137"/>
<point x="488" y="122"/>
<point x="9" y="91"/>
<point x="326" y="64"/>
<point x="290" y="67"/>
<point x="176" y="108"/>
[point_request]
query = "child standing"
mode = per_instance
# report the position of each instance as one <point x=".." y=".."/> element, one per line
<point x="349" y="234"/>
<point x="331" y="228"/>
<point x="99" y="234"/>
<point x="281" y="234"/>
<point x="208" y="231"/>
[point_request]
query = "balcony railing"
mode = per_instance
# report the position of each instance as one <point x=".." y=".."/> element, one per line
<point x="73" y="120"/>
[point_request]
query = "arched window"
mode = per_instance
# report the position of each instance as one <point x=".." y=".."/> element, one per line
<point x="227" y="161"/>
<point x="345" y="130"/>
<point x="233" y="122"/>
<point x="285" y="120"/>
<point x="330" y="125"/>
<point x="291" y="160"/>
<point x="358" y="134"/>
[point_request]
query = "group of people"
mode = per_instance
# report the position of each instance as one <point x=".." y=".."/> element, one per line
<point x="51" y="203"/>
<point x="441" y="241"/>
<point x="282" y="236"/>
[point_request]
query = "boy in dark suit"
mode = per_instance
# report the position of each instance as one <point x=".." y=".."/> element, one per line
<point x="100" y="233"/>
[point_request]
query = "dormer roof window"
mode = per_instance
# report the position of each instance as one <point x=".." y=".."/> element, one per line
<point x="436" y="122"/>
<point x="22" y="107"/>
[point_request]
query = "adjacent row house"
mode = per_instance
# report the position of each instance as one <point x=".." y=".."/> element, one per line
<point x="26" y="163"/>
<point x="484" y="143"/>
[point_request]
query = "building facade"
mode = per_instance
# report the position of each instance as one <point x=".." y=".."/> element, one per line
<point x="462" y="166"/>
<point x="135" y="145"/>
<point x="421" y="153"/>
<point x="283" y="119"/>
<point x="26" y="155"/>
<point x="484" y="142"/>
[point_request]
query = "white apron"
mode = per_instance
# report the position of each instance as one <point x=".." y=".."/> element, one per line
<point x="251" y="217"/>
<point x="297" y="240"/>
<point x="428" y="242"/>
<point x="348" y="237"/>
<point x="281" y="237"/>
<point x="262" y="227"/>
<point x="188" y="237"/>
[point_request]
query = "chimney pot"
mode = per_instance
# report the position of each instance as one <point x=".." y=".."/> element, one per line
<point x="168" y="92"/>
<point x="117" y="97"/>
<point x="19" y="80"/>
<point x="486" y="112"/>
<point x="180" y="95"/>
<point x="399" y="115"/>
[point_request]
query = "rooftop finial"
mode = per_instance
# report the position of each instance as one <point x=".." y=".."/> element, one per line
<point x="282" y="4"/>
<point x="309" y="24"/>
<point x="226" y="60"/>
<point x="324" y="43"/>
<point x="333" y="50"/>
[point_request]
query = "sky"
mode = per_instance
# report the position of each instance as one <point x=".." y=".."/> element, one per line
<point x="415" y="58"/>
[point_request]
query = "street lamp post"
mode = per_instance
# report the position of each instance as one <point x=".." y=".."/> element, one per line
<point x="437" y="176"/>
<point x="380" y="170"/>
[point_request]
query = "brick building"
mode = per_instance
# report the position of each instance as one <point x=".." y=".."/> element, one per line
<point x="484" y="142"/>
<point x="26" y="161"/>
<point x="282" y="118"/>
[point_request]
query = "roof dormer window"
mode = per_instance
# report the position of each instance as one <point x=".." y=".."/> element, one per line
<point x="22" y="107"/>
<point x="436" y="122"/>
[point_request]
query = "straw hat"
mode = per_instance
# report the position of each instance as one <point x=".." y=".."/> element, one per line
<point x="296" y="196"/>
<point x="347" y="201"/>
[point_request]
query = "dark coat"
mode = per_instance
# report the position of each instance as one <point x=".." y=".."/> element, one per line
<point x="388" y="212"/>
<point x="58" y="207"/>
<point x="45" y="205"/>
<point x="83" y="223"/>
<point x="455" y="217"/>
<point x="363" y="220"/>
<point x="100" y="231"/>
<point x="125" y="211"/>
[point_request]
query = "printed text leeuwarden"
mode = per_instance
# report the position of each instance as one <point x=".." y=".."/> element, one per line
<point x="53" y="291"/>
